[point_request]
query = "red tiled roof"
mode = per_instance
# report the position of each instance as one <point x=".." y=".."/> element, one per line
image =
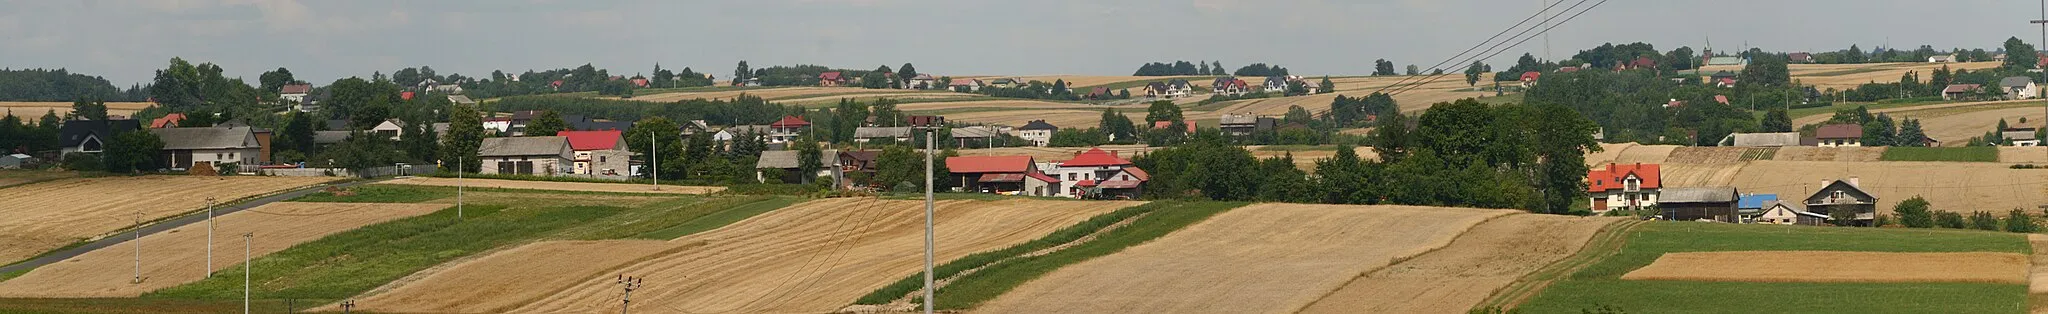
<point x="1723" y="99"/>
<point x="1164" y="124"/>
<point x="1531" y="76"/>
<point x="1041" y="177"/>
<point x="1567" y="69"/>
<point x="1602" y="180"/>
<point x="1001" y="177"/>
<point x="640" y="82"/>
<point x="1119" y="184"/>
<point x="829" y="76"/>
<point x="1960" y="88"/>
<point x="1085" y="183"/>
<point x="295" y="89"/>
<point x="1833" y="131"/>
<point x="592" y="140"/>
<point x="989" y="164"/>
<point x="167" y="120"/>
<point x="1643" y="62"/>
<point x="1095" y="157"/>
<point x="1139" y="173"/>
<point x="790" y="122"/>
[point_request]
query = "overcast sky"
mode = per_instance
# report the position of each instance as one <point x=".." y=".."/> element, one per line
<point x="125" y="41"/>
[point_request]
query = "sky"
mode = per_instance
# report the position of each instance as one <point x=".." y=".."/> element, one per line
<point x="320" y="41"/>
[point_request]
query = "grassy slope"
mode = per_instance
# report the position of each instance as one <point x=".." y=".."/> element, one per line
<point x="1976" y="154"/>
<point x="1165" y="217"/>
<point x="728" y="211"/>
<point x="1600" y="283"/>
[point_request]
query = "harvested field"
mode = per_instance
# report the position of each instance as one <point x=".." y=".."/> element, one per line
<point x="1007" y="104"/>
<point x="1844" y="76"/>
<point x="1185" y="272"/>
<point x="552" y="185"/>
<point x="32" y="111"/>
<point x="509" y="278"/>
<point x="2037" y="273"/>
<point x="813" y="257"/>
<point x="1955" y="128"/>
<point x="179" y="256"/>
<point x="1080" y="81"/>
<point x="1459" y="276"/>
<point x="1950" y="186"/>
<point x="1649" y="154"/>
<point x="828" y="100"/>
<point x="2011" y="154"/>
<point x="49" y="215"/>
<point x="1701" y="175"/>
<point x="1810" y="153"/>
<point x="1607" y="154"/>
<point x="1790" y="266"/>
<point x="1303" y="158"/>
<point x="1924" y="111"/>
<point x="19" y="177"/>
<point x="1707" y="155"/>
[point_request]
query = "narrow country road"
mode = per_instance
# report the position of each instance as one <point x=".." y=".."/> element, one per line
<point x="168" y="225"/>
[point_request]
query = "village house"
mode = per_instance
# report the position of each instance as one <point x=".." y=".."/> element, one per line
<point x="1781" y="139"/>
<point x="1229" y="86"/>
<point x="1839" y="135"/>
<point x="393" y="129"/>
<point x="2019" y="87"/>
<point x="534" y="155"/>
<point x="1799" y="57"/>
<point x="1788" y="213"/>
<point x="789" y="170"/>
<point x="1171" y="89"/>
<point x="1099" y="174"/>
<point x="212" y="146"/>
<point x="1959" y="91"/>
<point x="1005" y="83"/>
<point x="1246" y="124"/>
<point x="1624" y="186"/>
<point x="857" y="162"/>
<point x="1941" y="59"/>
<point x="599" y="154"/>
<point x="2021" y="133"/>
<point x="263" y="137"/>
<point x="295" y="93"/>
<point x="1529" y="78"/>
<point x="1275" y="84"/>
<point x="1037" y="131"/>
<point x="991" y="174"/>
<point x="831" y="79"/>
<point x="462" y="100"/>
<point x="91" y="136"/>
<point x="1699" y="203"/>
<point x="167" y="121"/>
<point x="787" y="129"/>
<point x="965" y="85"/>
<point x="582" y="123"/>
<point x="1098" y="93"/>
<point x="921" y="81"/>
<point x="1843" y="195"/>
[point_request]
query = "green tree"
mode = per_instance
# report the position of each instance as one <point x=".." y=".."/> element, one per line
<point x="465" y="137"/>
<point x="1560" y="138"/>
<point x="741" y="73"/>
<point x="134" y="151"/>
<point x="1910" y="133"/>
<point x="1216" y="68"/>
<point x="1880" y="131"/>
<point x="1915" y="213"/>
<point x="1414" y="70"/>
<point x="297" y="134"/>
<point x="1345" y="178"/>
<point x="1382" y="67"/>
<point x="1983" y="220"/>
<point x="275" y="79"/>
<point x="905" y="73"/>
<point x="1472" y="72"/>
<point x="2016" y="56"/>
<point x="808" y="159"/>
<point x="1326" y="86"/>
<point x="547" y="123"/>
<point x="364" y="103"/>
<point x="1116" y="126"/>
<point x="1766" y="70"/>
<point x="666" y="140"/>
<point x="1949" y="219"/>
<point x="1162" y="111"/>
<point x="2018" y="221"/>
<point x="89" y="109"/>
<point x="1776" y="120"/>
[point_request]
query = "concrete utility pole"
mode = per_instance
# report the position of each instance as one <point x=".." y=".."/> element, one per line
<point x="209" y="237"/>
<point x="138" y="247"/>
<point x="346" y="305"/>
<point x="930" y="142"/>
<point x="654" y="158"/>
<point x="459" y="167"/>
<point x="629" y="283"/>
<point x="2044" y="36"/>
<point x="245" y="271"/>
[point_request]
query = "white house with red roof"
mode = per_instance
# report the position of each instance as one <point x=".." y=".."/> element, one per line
<point x="831" y="79"/>
<point x="1100" y="173"/>
<point x="1624" y="186"/>
<point x="786" y="130"/>
<point x="600" y="154"/>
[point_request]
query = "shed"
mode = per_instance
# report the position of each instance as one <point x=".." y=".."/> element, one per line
<point x="15" y="161"/>
<point x="1699" y="203"/>
<point x="1761" y="139"/>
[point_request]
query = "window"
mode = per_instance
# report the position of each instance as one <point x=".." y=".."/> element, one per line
<point x="1071" y="177"/>
<point x="601" y="158"/>
<point x="217" y="156"/>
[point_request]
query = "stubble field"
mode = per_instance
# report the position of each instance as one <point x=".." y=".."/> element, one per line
<point x="49" y="215"/>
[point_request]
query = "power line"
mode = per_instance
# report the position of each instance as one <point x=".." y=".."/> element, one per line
<point x="1447" y="61"/>
<point x="1546" y="30"/>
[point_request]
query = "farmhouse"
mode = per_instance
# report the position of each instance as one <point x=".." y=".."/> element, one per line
<point x="1788" y="213"/>
<point x="1230" y="86"/>
<point x="1624" y="186"/>
<point x="1959" y="91"/>
<point x="1941" y="59"/>
<point x="91" y="136"/>
<point x="965" y="85"/>
<point x="295" y="93"/>
<point x="871" y="133"/>
<point x="2019" y="87"/>
<point x="1275" y="84"/>
<point x="1799" y="57"/>
<point x="1171" y="89"/>
<point x="1099" y="174"/>
<point x="1707" y="203"/>
<point x="1761" y="139"/>
<point x="1246" y="124"/>
<point x="2021" y="133"/>
<point x="1529" y="78"/>
<point x="1843" y="195"/>
<point x="185" y="147"/>
<point x="1839" y="135"/>
<point x="600" y="154"/>
<point x="1037" y="131"/>
<point x="992" y="174"/>
<point x="831" y="79"/>
<point x="393" y="129"/>
<point x="535" y="155"/>
<point x="858" y="161"/>
<point x="921" y="81"/>
<point x="1005" y="83"/>
<point x="786" y="130"/>
<point x="789" y="170"/>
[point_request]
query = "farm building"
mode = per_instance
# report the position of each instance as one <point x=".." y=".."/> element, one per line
<point x="393" y="129"/>
<point x="976" y="136"/>
<point x="1009" y="175"/>
<point x="1752" y="204"/>
<point x="1761" y="139"/>
<point x="295" y="93"/>
<point x="1788" y="213"/>
<point x="599" y="154"/>
<point x="16" y="161"/>
<point x="1037" y="131"/>
<point x="1839" y="195"/>
<point x="1629" y="186"/>
<point x="869" y="133"/>
<point x="1229" y="85"/>
<point x="787" y="164"/>
<point x="1839" y="135"/>
<point x="1959" y="91"/>
<point x="965" y="85"/>
<point x="2019" y="87"/>
<point x="536" y="155"/>
<point x="1246" y="124"/>
<point x="91" y="136"/>
<point x="1708" y="203"/>
<point x="831" y="79"/>
<point x="185" y="147"/>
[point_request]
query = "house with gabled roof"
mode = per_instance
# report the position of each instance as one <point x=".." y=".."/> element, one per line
<point x="786" y="130"/>
<point x="295" y="93"/>
<point x="1843" y="195"/>
<point x="1784" y="212"/>
<point x="185" y="147"/>
<point x="1038" y="132"/>
<point x="965" y="85"/>
<point x="1699" y="204"/>
<point x="1275" y="84"/>
<point x="1097" y="173"/>
<point x="1839" y="135"/>
<point x="991" y="174"/>
<point x="2019" y="87"/>
<point x="1529" y="78"/>
<point x="601" y="154"/>
<point x="91" y="136"/>
<point x="1624" y="186"/>
<point x="921" y="81"/>
<point x="1229" y="86"/>
<point x="831" y="79"/>
<point x="1959" y="91"/>
<point x="531" y="155"/>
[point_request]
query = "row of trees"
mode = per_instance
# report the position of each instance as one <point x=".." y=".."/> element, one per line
<point x="1180" y="68"/>
<point x="741" y="110"/>
<point x="1916" y="212"/>
<point x="61" y="85"/>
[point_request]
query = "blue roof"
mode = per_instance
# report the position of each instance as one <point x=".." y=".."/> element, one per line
<point x="1755" y="200"/>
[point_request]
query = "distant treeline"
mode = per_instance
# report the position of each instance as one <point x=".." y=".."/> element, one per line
<point x="61" y="85"/>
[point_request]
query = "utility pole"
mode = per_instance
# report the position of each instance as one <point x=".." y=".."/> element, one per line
<point x="654" y="158"/>
<point x="138" y="247"/>
<point x="209" y="237"/>
<point x="459" y="167"/>
<point x="245" y="271"/>
<point x="346" y="305"/>
<point x="2044" y="35"/>
<point x="629" y="283"/>
<point x="930" y="143"/>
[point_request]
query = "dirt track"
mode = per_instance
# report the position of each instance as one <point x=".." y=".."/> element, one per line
<point x="813" y="257"/>
<point x="1790" y="266"/>
<point x="49" y="215"/>
<point x="559" y="186"/>
<point x="1459" y="276"/>
<point x="179" y="256"/>
<point x="1217" y="266"/>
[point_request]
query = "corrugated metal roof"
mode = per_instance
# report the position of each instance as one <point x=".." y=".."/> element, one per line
<point x="525" y="146"/>
<point x="1697" y="195"/>
<point x="973" y="132"/>
<point x="786" y="159"/>
<point x="1839" y="131"/>
<point x="1764" y="139"/>
<point x="206" y="138"/>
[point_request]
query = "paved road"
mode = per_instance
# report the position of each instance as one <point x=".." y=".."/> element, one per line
<point x="167" y="225"/>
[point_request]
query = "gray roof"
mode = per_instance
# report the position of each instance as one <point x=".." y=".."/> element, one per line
<point x="1761" y="139"/>
<point x="1039" y="125"/>
<point x="460" y="99"/>
<point x="2015" y="81"/>
<point x="1697" y="195"/>
<point x="881" y="132"/>
<point x="525" y="146"/>
<point x="329" y="137"/>
<point x="1240" y="119"/>
<point x="2017" y="135"/>
<point x="206" y="138"/>
<point x="786" y="159"/>
<point x="743" y="129"/>
<point x="974" y="132"/>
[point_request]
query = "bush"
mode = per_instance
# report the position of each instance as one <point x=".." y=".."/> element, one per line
<point x="2018" y="221"/>
<point x="1913" y="213"/>
<point x="1948" y="219"/>
<point x="1983" y="220"/>
<point x="83" y="162"/>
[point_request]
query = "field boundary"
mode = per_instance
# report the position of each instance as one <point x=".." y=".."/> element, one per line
<point x="1397" y="260"/>
<point x="1603" y="245"/>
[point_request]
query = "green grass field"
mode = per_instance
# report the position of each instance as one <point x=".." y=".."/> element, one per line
<point x="1164" y="217"/>
<point x="1599" y="284"/>
<point x="1968" y="154"/>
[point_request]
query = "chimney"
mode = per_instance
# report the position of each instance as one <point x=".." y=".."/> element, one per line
<point x="1823" y="184"/>
<point x="1855" y="182"/>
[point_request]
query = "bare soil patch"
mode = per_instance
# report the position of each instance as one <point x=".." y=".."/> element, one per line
<point x="560" y="186"/>
<point x="179" y="256"/>
<point x="1298" y="254"/>
<point x="1459" y="276"/>
<point x="1826" y="266"/>
<point x="48" y="215"/>
<point x="1707" y="155"/>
